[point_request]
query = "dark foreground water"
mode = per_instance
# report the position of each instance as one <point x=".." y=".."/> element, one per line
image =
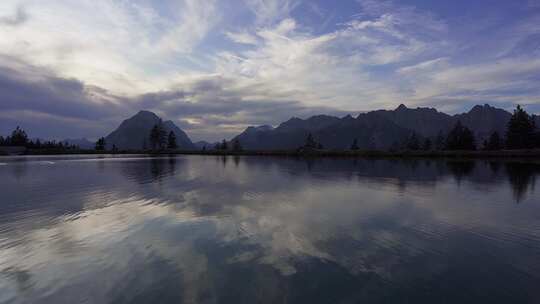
<point x="199" y="229"/>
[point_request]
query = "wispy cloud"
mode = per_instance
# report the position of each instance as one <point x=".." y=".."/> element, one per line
<point x="216" y="70"/>
<point x="123" y="46"/>
<point x="18" y="18"/>
<point x="195" y="19"/>
<point x="270" y="11"/>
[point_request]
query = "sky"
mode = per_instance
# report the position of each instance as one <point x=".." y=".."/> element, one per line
<point x="77" y="68"/>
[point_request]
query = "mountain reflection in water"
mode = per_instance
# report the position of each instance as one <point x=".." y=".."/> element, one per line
<point x="213" y="229"/>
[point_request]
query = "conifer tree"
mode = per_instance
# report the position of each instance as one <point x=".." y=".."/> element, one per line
<point x="19" y="137"/>
<point x="236" y="145"/>
<point x="427" y="145"/>
<point x="354" y="145"/>
<point x="171" y="141"/>
<point x="224" y="145"/>
<point x="520" y="130"/>
<point x="440" y="142"/>
<point x="100" y="144"/>
<point x="310" y="142"/>
<point x="460" y="138"/>
<point x="158" y="136"/>
<point x="494" y="143"/>
<point x="413" y="143"/>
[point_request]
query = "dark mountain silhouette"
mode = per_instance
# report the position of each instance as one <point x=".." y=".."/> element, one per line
<point x="82" y="143"/>
<point x="483" y="120"/>
<point x="201" y="144"/>
<point x="332" y="132"/>
<point x="424" y="121"/>
<point x="134" y="133"/>
<point x="379" y="129"/>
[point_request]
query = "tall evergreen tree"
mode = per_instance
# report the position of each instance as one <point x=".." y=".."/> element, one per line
<point x="310" y="142"/>
<point x="171" y="141"/>
<point x="460" y="138"/>
<point x="144" y="144"/>
<point x="440" y="141"/>
<point x="224" y="145"/>
<point x="158" y="136"/>
<point x="19" y="137"/>
<point x="162" y="135"/>
<point x="413" y="143"/>
<point x="520" y="130"/>
<point x="427" y="145"/>
<point x="100" y="144"/>
<point x="354" y="145"/>
<point x="236" y="145"/>
<point x="154" y="137"/>
<point x="2" y="141"/>
<point x="494" y="143"/>
<point x="468" y="140"/>
<point x="536" y="132"/>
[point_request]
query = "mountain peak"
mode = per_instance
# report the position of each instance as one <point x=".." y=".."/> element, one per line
<point x="401" y="107"/>
<point x="259" y="128"/>
<point x="145" y="112"/>
<point x="145" y="115"/>
<point x="378" y="129"/>
<point x="482" y="108"/>
<point x="264" y="128"/>
<point x="133" y="133"/>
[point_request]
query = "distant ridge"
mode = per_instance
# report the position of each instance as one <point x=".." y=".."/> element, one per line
<point x="380" y="129"/>
<point x="82" y="143"/>
<point x="204" y="145"/>
<point x="133" y="133"/>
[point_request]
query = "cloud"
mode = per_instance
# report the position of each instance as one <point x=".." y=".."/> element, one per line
<point x="503" y="82"/>
<point x="271" y="11"/>
<point x="216" y="103"/>
<point x="424" y="66"/>
<point x="28" y="88"/>
<point x="334" y="68"/>
<point x="126" y="47"/>
<point x="71" y="108"/>
<point x="49" y="105"/>
<point x="242" y="37"/>
<point x="19" y="18"/>
<point x="188" y="61"/>
<point x="196" y="19"/>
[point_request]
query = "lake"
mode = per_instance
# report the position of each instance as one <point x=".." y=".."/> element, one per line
<point x="214" y="229"/>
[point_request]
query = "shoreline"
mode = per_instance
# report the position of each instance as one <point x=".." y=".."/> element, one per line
<point x="315" y="153"/>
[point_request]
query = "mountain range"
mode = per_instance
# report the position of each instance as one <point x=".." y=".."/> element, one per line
<point x="380" y="129"/>
<point x="133" y="133"/>
<point x="203" y="144"/>
<point x="82" y="143"/>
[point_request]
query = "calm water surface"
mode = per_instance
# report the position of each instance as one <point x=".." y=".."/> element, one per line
<point x="204" y="229"/>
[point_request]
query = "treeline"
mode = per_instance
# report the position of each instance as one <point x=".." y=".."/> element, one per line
<point x="158" y="138"/>
<point x="235" y="146"/>
<point x="521" y="133"/>
<point x="19" y="138"/>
